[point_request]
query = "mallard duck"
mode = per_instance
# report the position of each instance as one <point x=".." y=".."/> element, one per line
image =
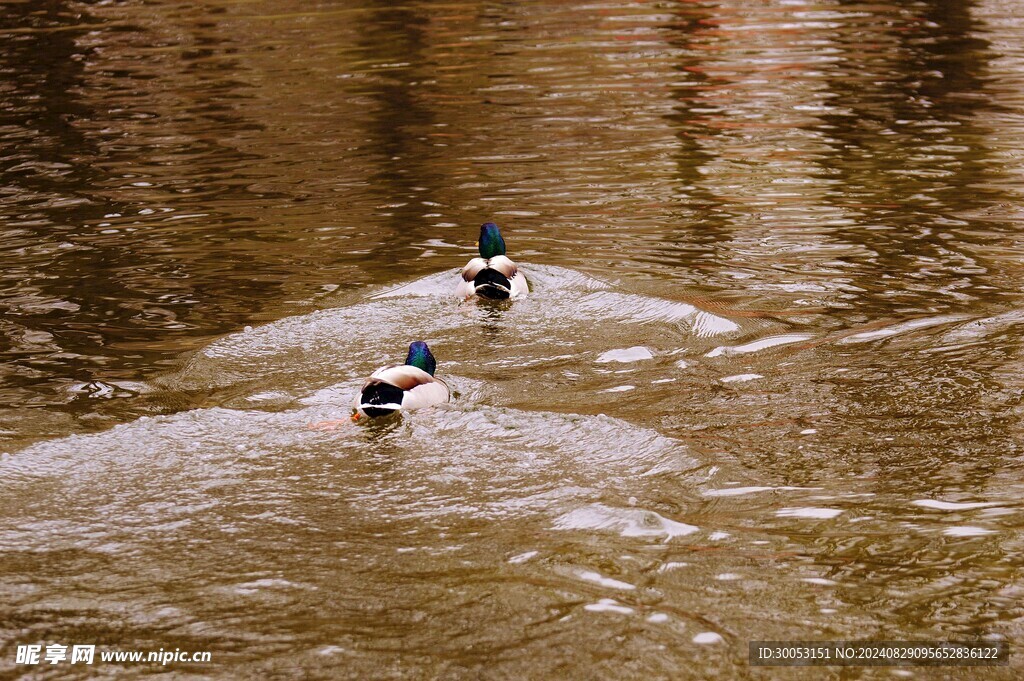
<point x="492" y="275"/>
<point x="403" y="387"/>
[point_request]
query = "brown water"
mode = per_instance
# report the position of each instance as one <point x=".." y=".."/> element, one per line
<point x="769" y="383"/>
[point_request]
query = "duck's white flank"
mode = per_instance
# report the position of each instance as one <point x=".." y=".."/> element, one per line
<point x="419" y="389"/>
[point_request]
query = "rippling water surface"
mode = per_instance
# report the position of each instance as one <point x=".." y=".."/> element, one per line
<point x="769" y="383"/>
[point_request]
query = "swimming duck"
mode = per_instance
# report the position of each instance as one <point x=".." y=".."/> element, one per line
<point x="403" y="387"/>
<point x="492" y="275"/>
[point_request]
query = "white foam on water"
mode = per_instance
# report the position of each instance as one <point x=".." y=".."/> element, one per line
<point x="255" y="586"/>
<point x="952" y="505"/>
<point x="619" y="389"/>
<point x="967" y="531"/>
<point x="706" y="324"/>
<point x="628" y="522"/>
<point x="901" y="327"/>
<point x="740" y="491"/>
<point x="808" y="512"/>
<point x="756" y="346"/>
<point x="608" y="605"/>
<point x="598" y="578"/>
<point x="634" y="354"/>
<point x="740" y="378"/>
<point x="708" y="638"/>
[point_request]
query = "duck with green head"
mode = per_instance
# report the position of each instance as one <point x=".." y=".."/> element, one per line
<point x="403" y="387"/>
<point x="493" y="275"/>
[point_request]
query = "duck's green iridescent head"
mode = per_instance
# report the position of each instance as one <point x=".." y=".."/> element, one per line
<point x="491" y="243"/>
<point x="420" y="357"/>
